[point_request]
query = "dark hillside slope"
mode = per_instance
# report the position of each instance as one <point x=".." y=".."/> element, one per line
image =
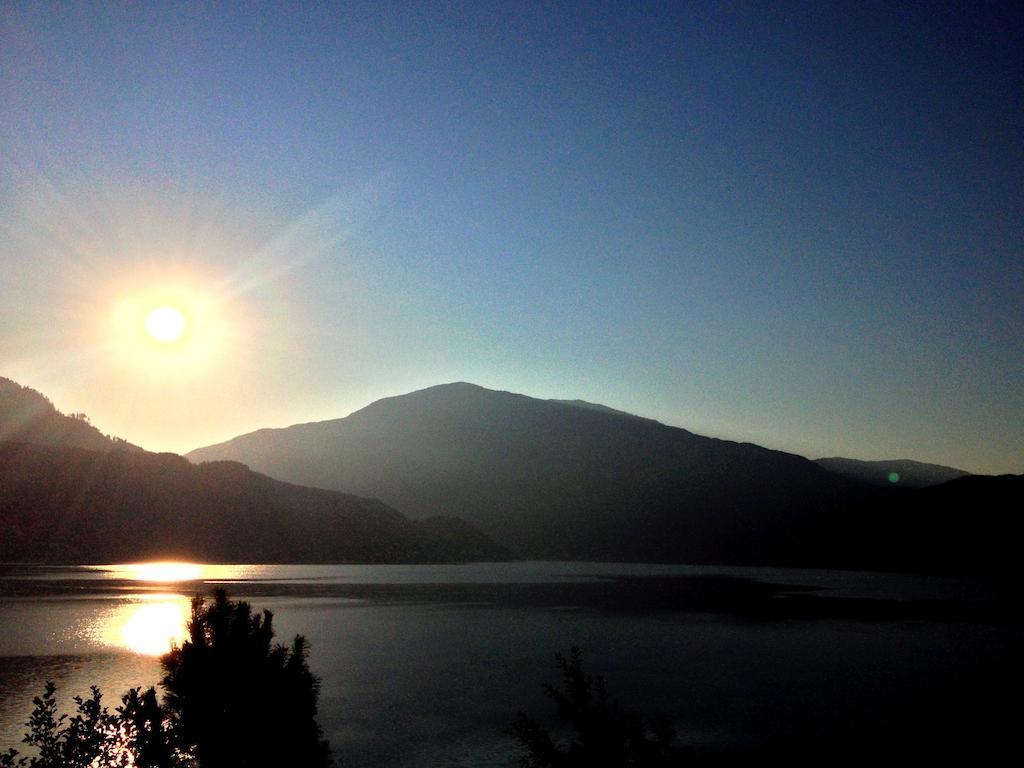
<point x="68" y="505"/>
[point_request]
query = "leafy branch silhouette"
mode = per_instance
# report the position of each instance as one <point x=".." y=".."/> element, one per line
<point x="603" y="735"/>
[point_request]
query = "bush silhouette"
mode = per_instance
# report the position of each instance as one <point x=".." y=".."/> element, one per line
<point x="603" y="735"/>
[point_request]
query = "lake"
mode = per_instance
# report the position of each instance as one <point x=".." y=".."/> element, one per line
<point x="428" y="665"/>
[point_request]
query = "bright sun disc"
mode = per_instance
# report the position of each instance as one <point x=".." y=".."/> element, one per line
<point x="165" y="324"/>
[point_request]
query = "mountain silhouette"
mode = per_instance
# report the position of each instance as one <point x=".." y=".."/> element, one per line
<point x="914" y="474"/>
<point x="564" y="479"/>
<point x="72" y="505"/>
<point x="109" y="501"/>
<point x="543" y="479"/>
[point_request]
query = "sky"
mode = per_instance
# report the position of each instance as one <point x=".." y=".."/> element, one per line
<point x="800" y="225"/>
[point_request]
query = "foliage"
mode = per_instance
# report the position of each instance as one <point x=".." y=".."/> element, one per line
<point x="130" y="736"/>
<point x="604" y="736"/>
<point x="229" y="679"/>
<point x="233" y="699"/>
<point x="143" y="719"/>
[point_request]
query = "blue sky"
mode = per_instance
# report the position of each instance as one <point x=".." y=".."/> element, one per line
<point x="791" y="224"/>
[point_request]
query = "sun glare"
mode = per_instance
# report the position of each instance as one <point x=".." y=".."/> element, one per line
<point x="169" y="329"/>
<point x="165" y="324"/>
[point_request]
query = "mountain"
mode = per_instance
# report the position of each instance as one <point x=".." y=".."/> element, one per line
<point x="69" y="505"/>
<point x="914" y="474"/>
<point x="29" y="417"/>
<point x="549" y="478"/>
<point x="552" y="479"/>
<point x="972" y="523"/>
<point x="70" y="494"/>
<point x="566" y="479"/>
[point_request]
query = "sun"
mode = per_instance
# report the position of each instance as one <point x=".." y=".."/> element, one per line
<point x="169" y="329"/>
<point x="166" y="324"/>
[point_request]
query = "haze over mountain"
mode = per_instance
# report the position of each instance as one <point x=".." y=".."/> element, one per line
<point x="557" y="479"/>
<point x="915" y="474"/>
<point x="29" y="417"/>
<point x="106" y="502"/>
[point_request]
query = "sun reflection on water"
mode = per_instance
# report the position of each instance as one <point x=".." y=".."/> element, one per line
<point x="172" y="571"/>
<point x="166" y="571"/>
<point x="149" y="624"/>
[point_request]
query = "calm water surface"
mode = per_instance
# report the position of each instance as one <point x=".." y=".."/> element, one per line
<point x="428" y="665"/>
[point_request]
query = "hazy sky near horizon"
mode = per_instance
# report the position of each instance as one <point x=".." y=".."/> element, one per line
<point x="796" y="224"/>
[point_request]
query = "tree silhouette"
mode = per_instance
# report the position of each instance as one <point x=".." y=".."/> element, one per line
<point x="603" y="737"/>
<point x="234" y="699"/>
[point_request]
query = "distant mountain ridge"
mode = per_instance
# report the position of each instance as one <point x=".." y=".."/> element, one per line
<point x="69" y="494"/>
<point x="914" y="474"/>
